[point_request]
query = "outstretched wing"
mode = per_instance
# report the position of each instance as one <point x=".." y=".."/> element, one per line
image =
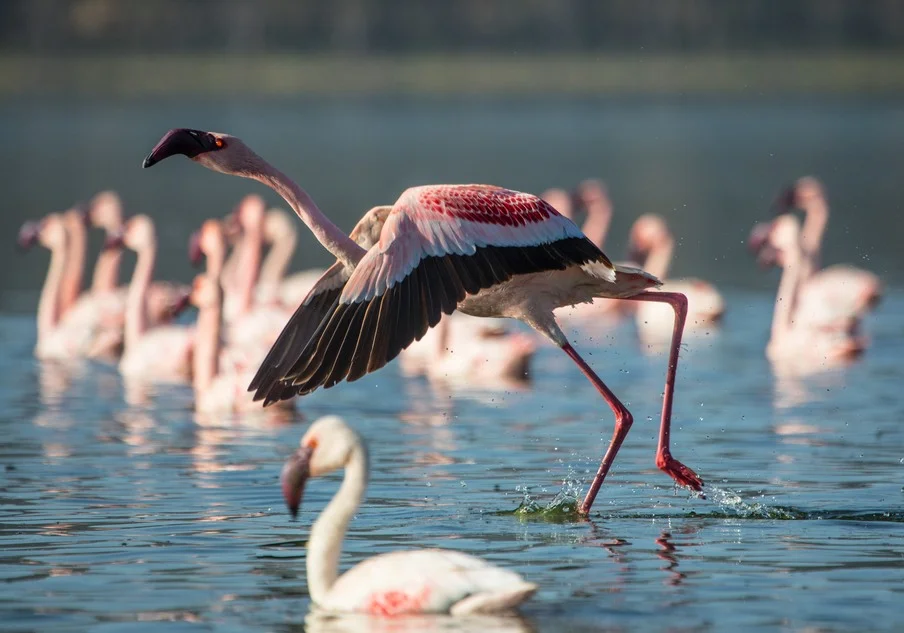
<point x="320" y="301"/>
<point x="439" y="244"/>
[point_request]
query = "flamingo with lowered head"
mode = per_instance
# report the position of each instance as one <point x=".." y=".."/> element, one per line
<point x="834" y="292"/>
<point x="481" y="249"/>
<point x="652" y="242"/>
<point x="797" y="341"/>
<point x="392" y="584"/>
<point x="150" y="353"/>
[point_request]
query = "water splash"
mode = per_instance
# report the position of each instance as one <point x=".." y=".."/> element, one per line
<point x="733" y="505"/>
<point x="562" y="508"/>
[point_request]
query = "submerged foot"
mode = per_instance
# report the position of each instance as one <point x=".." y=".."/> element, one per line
<point x="679" y="472"/>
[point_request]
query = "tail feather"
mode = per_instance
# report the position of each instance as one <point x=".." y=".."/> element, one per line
<point x="502" y="601"/>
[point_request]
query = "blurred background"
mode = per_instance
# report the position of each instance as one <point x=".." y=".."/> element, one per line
<point x="700" y="110"/>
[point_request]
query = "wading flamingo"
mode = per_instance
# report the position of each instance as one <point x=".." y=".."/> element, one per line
<point x="484" y="250"/>
<point x="392" y="584"/>
<point x="839" y="290"/>
<point x="58" y="337"/>
<point x="796" y="341"/>
<point x="151" y="353"/>
<point x="274" y="284"/>
<point x="164" y="299"/>
<point x="591" y="194"/>
<point x="652" y="243"/>
<point x="470" y="352"/>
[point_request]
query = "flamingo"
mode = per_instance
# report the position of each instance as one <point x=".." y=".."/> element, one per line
<point x="795" y="340"/>
<point x="592" y="195"/>
<point x="397" y="583"/>
<point x="151" y="353"/>
<point x="273" y="284"/>
<point x="471" y="352"/>
<point x="59" y="336"/>
<point x="164" y="299"/>
<point x="481" y="249"/>
<point x="652" y="242"/>
<point x="829" y="294"/>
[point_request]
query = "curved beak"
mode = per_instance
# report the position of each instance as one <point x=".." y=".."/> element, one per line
<point x="179" y="305"/>
<point x="180" y="141"/>
<point x="115" y="239"/>
<point x="295" y="474"/>
<point x="195" y="254"/>
<point x="28" y="235"/>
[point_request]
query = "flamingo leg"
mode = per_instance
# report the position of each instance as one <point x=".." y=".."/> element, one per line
<point x="623" y="421"/>
<point x="664" y="460"/>
<point x="623" y="418"/>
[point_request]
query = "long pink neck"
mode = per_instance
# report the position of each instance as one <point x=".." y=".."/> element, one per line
<point x="75" y="264"/>
<point x="136" y="302"/>
<point x="327" y="233"/>
<point x="277" y="261"/>
<point x="49" y="305"/>
<point x="786" y="298"/>
<point x="206" y="353"/>
<point x="248" y="268"/>
<point x="659" y="258"/>
<point x="106" y="271"/>
<point x="817" y="217"/>
<point x="596" y="226"/>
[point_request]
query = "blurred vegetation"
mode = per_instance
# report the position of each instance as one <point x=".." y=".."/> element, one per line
<point x="272" y="47"/>
<point x="443" y="26"/>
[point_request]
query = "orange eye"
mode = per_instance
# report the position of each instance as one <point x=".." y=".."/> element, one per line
<point x="311" y="443"/>
<point x="219" y="142"/>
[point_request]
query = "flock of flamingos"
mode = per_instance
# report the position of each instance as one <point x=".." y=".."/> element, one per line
<point x="427" y="279"/>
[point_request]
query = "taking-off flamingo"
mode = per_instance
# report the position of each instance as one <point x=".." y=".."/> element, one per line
<point x="391" y="584"/>
<point x="481" y="249"/>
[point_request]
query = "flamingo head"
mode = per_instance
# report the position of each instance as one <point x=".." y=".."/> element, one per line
<point x="105" y="211"/>
<point x="28" y="235"/>
<point x="367" y="231"/>
<point x="136" y="234"/>
<point x="327" y="446"/>
<point x="214" y="150"/>
<point x="278" y="224"/>
<point x="758" y="244"/>
<point x="250" y="214"/>
<point x="78" y="216"/>
<point x="647" y="232"/>
<point x="205" y="292"/>
<point x="208" y="240"/>
<point x="592" y="194"/>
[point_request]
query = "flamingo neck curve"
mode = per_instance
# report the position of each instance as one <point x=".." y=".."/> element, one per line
<point x="659" y="258"/>
<point x="205" y="356"/>
<point x="277" y="261"/>
<point x="49" y="304"/>
<point x="136" y="319"/>
<point x="786" y="297"/>
<point x="327" y="233"/>
<point x="328" y="531"/>
<point x="71" y="286"/>
<point x="816" y="211"/>
<point x="106" y="271"/>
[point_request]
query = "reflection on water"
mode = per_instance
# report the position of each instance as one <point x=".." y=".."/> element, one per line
<point x="181" y="518"/>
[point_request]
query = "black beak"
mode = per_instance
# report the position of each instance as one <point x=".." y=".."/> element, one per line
<point x="786" y="201"/>
<point x="28" y="235"/>
<point x="294" y="475"/>
<point x="195" y="254"/>
<point x="114" y="240"/>
<point x="183" y="141"/>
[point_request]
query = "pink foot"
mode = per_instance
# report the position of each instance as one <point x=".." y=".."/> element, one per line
<point x="679" y="472"/>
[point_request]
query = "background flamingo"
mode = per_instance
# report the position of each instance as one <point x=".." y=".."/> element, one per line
<point x="392" y="584"/>
<point x="831" y="294"/>
<point x="652" y="244"/>
<point x="151" y="353"/>
<point x="797" y="339"/>
<point x="484" y="250"/>
<point x="274" y="285"/>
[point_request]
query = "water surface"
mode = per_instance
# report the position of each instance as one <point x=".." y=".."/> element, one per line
<point x="121" y="518"/>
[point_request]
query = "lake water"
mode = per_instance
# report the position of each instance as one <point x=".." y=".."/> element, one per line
<point x="118" y="517"/>
<point x="139" y="518"/>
